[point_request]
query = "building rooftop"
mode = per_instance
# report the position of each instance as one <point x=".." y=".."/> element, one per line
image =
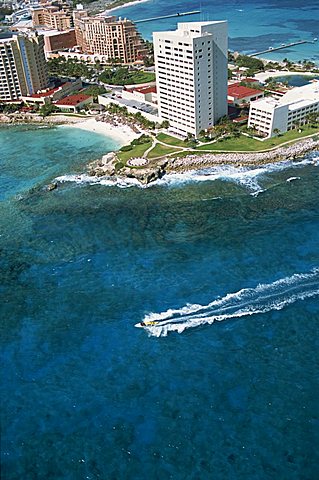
<point x="52" y="33"/>
<point x="306" y="92"/>
<point x="239" y="91"/>
<point x="295" y="98"/>
<point x="300" y="104"/>
<point x="151" y="89"/>
<point x="73" y="100"/>
<point x="6" y="40"/>
<point x="193" y="29"/>
<point x="50" y="92"/>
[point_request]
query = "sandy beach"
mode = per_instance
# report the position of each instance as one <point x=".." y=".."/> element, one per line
<point x="129" y="4"/>
<point x="121" y="133"/>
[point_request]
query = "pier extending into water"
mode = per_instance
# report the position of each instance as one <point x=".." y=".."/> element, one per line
<point x="172" y="15"/>
<point x="274" y="49"/>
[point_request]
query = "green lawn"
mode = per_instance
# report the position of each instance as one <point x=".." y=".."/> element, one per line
<point x="142" y="77"/>
<point x="137" y="151"/>
<point x="123" y="76"/>
<point x="160" y="150"/>
<point x="291" y="135"/>
<point x="185" y="153"/>
<point x="241" y="143"/>
<point x="176" y="142"/>
<point x="244" y="143"/>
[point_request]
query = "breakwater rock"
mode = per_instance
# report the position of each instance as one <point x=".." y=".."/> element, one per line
<point x="18" y="118"/>
<point x="290" y="152"/>
<point x="110" y="166"/>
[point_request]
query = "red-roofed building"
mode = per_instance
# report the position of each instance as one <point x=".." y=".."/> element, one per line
<point x="74" y="103"/>
<point x="238" y="95"/>
<point x="145" y="90"/>
<point x="53" y="94"/>
<point x="141" y="94"/>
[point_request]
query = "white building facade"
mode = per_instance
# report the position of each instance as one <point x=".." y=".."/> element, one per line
<point x="270" y="115"/>
<point x="191" y="75"/>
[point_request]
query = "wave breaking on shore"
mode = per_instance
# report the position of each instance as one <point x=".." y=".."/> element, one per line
<point x="247" y="177"/>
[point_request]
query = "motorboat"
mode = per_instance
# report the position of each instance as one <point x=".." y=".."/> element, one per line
<point x="150" y="323"/>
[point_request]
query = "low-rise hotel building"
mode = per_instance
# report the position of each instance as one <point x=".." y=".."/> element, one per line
<point x="141" y="94"/>
<point x="74" y="103"/>
<point x="108" y="37"/>
<point x="191" y="75"/>
<point x="53" y="94"/>
<point x="240" y="95"/>
<point x="270" y="115"/>
<point x="23" y="69"/>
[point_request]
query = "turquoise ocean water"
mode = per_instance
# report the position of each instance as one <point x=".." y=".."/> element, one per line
<point x="253" y="25"/>
<point x="227" y="260"/>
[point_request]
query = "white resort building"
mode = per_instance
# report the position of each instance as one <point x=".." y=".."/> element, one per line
<point x="270" y="115"/>
<point x="191" y="75"/>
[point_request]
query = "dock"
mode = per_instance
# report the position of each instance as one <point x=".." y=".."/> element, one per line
<point x="172" y="15"/>
<point x="274" y="49"/>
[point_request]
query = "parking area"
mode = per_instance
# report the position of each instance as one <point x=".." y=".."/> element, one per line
<point x="135" y="104"/>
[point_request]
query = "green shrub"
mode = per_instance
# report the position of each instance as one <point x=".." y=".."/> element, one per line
<point x="118" y="166"/>
<point x="142" y="139"/>
<point x="126" y="148"/>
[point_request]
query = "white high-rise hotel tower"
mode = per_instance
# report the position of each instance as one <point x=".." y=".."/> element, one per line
<point x="191" y="75"/>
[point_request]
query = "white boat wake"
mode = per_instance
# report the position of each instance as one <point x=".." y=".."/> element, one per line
<point x="246" y="302"/>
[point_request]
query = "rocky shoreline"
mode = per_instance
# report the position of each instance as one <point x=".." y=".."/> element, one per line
<point x="33" y="118"/>
<point x="108" y="165"/>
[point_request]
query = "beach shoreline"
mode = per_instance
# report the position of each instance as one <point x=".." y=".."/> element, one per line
<point x="128" y="4"/>
<point x="121" y="133"/>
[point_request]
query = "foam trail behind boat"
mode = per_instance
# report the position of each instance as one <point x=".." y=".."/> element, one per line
<point x="245" y="302"/>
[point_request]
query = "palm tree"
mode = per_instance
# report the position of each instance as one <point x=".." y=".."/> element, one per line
<point x="276" y="131"/>
<point x="312" y="118"/>
<point x="219" y="130"/>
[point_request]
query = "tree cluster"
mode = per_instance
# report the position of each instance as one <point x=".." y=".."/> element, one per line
<point x="137" y="141"/>
<point x="254" y="64"/>
<point x="5" y="10"/>
<point x="138" y="118"/>
<point x="8" y="107"/>
<point x="71" y="67"/>
<point x="95" y="91"/>
<point x="125" y="76"/>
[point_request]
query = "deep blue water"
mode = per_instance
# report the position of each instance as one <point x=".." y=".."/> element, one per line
<point x="253" y="25"/>
<point x="85" y="395"/>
